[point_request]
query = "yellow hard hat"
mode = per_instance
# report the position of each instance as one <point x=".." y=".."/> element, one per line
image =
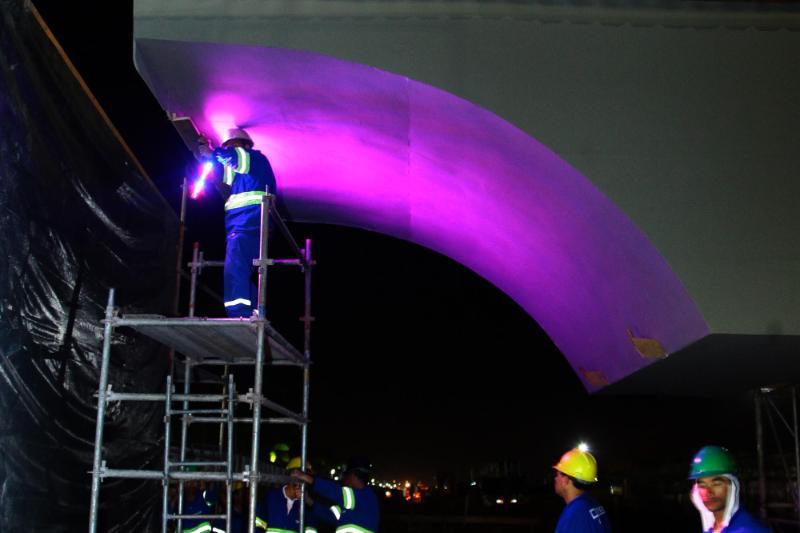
<point x="578" y="464"/>
<point x="295" y="462"/>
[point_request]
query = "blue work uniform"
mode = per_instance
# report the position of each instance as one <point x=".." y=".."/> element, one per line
<point x="237" y="525"/>
<point x="583" y="515"/>
<point x="273" y="514"/>
<point x="202" y="503"/>
<point x="249" y="175"/>
<point x="356" y="510"/>
<point x="743" y="522"/>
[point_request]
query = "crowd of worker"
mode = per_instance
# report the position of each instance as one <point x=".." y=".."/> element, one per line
<point x="352" y="507"/>
<point x="347" y="507"/>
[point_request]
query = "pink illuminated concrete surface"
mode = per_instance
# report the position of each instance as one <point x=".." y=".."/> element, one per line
<point x="361" y="147"/>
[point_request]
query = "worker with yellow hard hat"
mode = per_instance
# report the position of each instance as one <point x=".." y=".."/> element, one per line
<point x="575" y="473"/>
<point x="279" y="511"/>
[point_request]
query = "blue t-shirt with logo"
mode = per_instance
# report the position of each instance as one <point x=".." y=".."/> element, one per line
<point x="583" y="515"/>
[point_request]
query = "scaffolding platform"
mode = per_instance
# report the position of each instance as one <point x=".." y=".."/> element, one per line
<point x="209" y="340"/>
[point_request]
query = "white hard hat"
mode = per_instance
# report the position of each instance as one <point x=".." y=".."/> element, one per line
<point x="238" y="133"/>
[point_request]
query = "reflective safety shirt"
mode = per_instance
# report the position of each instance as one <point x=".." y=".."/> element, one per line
<point x="248" y="173"/>
<point x="744" y="522"/>
<point x="274" y="516"/>
<point x="355" y="509"/>
<point x="202" y="503"/>
<point x="583" y="515"/>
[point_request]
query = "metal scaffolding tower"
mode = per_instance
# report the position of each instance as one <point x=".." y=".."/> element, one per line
<point x="221" y="342"/>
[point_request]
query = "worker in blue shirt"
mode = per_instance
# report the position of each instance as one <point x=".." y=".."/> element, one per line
<point x="575" y="472"/>
<point x="715" y="493"/>
<point x="199" y="498"/>
<point x="279" y="511"/>
<point x="355" y="506"/>
<point x="247" y="175"/>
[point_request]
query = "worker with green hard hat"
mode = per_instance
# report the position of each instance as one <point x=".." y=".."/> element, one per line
<point x="575" y="473"/>
<point x="715" y="493"/>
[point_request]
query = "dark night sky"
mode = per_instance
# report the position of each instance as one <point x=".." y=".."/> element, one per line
<point x="420" y="363"/>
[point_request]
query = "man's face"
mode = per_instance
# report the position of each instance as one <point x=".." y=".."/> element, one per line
<point x="713" y="491"/>
<point x="293" y="489"/>
<point x="560" y="482"/>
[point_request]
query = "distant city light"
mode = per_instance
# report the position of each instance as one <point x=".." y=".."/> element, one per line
<point x="388" y="493"/>
<point x="333" y="471"/>
<point x="473" y="483"/>
<point x="514" y="500"/>
<point x="500" y="501"/>
<point x="336" y="478"/>
<point x="583" y="447"/>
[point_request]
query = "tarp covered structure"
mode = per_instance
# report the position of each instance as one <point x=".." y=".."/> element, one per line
<point x="78" y="215"/>
<point x="657" y="210"/>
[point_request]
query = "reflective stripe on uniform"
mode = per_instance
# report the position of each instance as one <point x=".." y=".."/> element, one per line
<point x="352" y="528"/>
<point x="279" y="530"/>
<point x="260" y="523"/>
<point x="311" y="530"/>
<point x="243" y="160"/>
<point x="244" y="198"/>
<point x="238" y="301"/>
<point x="337" y="511"/>
<point x="202" y="528"/>
<point x="227" y="178"/>
<point x="218" y="530"/>
<point x="349" y="498"/>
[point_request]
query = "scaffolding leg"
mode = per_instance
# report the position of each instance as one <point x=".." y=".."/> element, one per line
<point x="187" y="376"/>
<point x="257" y="391"/>
<point x="762" y="483"/>
<point x="167" y="435"/>
<point x="231" y="408"/>
<point x="306" y="376"/>
<point x="796" y="453"/>
<point x="101" y="413"/>
<point x="195" y="272"/>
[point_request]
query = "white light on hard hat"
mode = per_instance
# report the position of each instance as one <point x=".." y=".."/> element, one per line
<point x="583" y="447"/>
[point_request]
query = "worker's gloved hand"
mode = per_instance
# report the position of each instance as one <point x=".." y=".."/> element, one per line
<point x="223" y="156"/>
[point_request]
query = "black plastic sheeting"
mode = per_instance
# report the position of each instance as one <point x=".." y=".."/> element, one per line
<point x="77" y="217"/>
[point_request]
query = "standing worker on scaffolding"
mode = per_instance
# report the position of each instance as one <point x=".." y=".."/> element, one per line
<point x="247" y="176"/>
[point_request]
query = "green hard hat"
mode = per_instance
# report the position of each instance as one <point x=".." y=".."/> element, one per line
<point x="712" y="461"/>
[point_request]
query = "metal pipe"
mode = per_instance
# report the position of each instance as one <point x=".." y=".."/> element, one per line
<point x="187" y="377"/>
<point x="193" y="286"/>
<point x="269" y="404"/>
<point x="306" y="372"/>
<point x="263" y="254"/>
<point x="258" y="382"/>
<point x="190" y="412"/>
<point x="195" y="516"/>
<point x="101" y="412"/>
<point x="287" y="234"/>
<point x="181" y="233"/>
<point x="167" y="435"/>
<point x="229" y="488"/>
<point x="796" y="452"/>
<point x="762" y="484"/>
<point x="207" y="476"/>
<point x="222" y="406"/>
<point x="147" y="397"/>
<point x="200" y="463"/>
<point x="216" y="420"/>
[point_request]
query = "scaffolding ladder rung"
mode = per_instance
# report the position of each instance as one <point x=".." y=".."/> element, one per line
<point x="191" y="412"/>
<point x="199" y="463"/>
<point x="196" y="517"/>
